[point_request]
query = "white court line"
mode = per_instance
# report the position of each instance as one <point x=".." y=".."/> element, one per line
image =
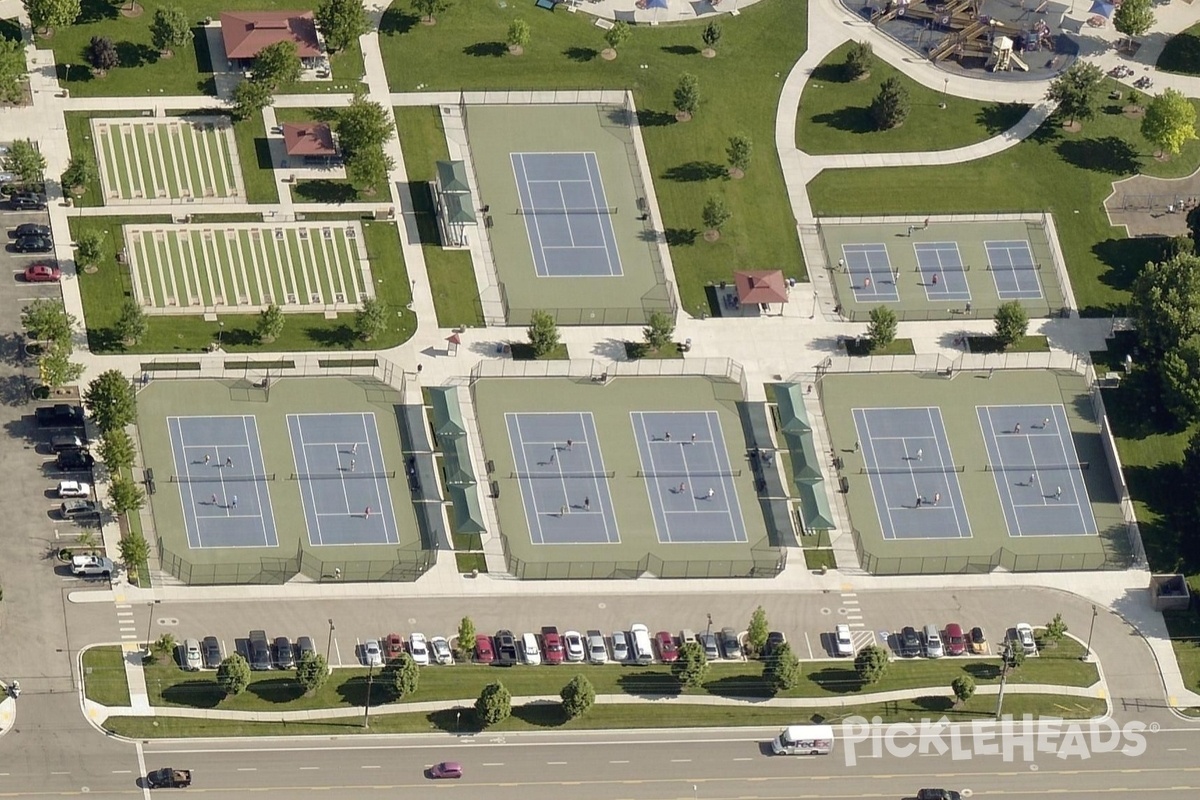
<point x="868" y="444"/>
<point x="1075" y="474"/>
<point x="509" y="419"/>
<point x="939" y="428"/>
<point x="662" y="505"/>
<point x="177" y="434"/>
<point x="991" y="432"/>
<point x="376" y="468"/>
<point x="254" y="469"/>
<point x="523" y="190"/>
<point x="588" y="438"/>
<point x="566" y="220"/>
<point x="736" y="526"/>
<point x="299" y="430"/>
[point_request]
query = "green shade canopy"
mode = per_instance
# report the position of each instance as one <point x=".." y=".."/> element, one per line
<point x="468" y="518"/>
<point x="456" y="462"/>
<point x="803" y="451"/>
<point x="456" y="212"/>
<point x="814" y="507"/>
<point x="452" y="177"/>
<point x="793" y="416"/>
<point x="447" y="414"/>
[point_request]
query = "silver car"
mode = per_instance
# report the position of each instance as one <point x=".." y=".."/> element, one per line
<point x="620" y="646"/>
<point x="709" y="642"/>
<point x="597" y="652"/>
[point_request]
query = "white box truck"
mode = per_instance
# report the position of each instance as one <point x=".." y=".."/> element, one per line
<point x="804" y="740"/>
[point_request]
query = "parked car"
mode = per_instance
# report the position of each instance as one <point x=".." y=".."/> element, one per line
<point x="30" y="229"/>
<point x="192" y="657"/>
<point x="79" y="489"/>
<point x="597" y="651"/>
<point x="418" y="648"/>
<point x="774" y="640"/>
<point x="446" y="769"/>
<point x="74" y="509"/>
<point x="212" y="652"/>
<point x="285" y="657"/>
<point x="938" y="794"/>
<point x="843" y="643"/>
<point x="304" y="647"/>
<point x="372" y="653"/>
<point x="573" y="643"/>
<point x="956" y="643"/>
<point x="440" y="647"/>
<point x="979" y="642"/>
<point x="27" y="201"/>
<point x="393" y="647"/>
<point x="506" y="648"/>
<point x="42" y="273"/>
<point x="59" y="415"/>
<point x="92" y="566"/>
<point x="620" y="646"/>
<point x="74" y="461"/>
<point x="485" y="650"/>
<point x="260" y="650"/>
<point x="640" y="647"/>
<point x="1024" y="638"/>
<point x="709" y="642"/>
<point x="33" y="244"/>
<point x="667" y="651"/>
<point x="169" y="778"/>
<point x="552" y="646"/>
<point x="933" y="642"/>
<point x="910" y="642"/>
<point x="730" y="644"/>
<point x="65" y="441"/>
<point x="531" y="654"/>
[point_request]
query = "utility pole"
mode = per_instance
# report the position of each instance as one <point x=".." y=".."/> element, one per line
<point x="329" y="644"/>
<point x="1088" y="653"/>
<point x="1006" y="656"/>
<point x="367" y="704"/>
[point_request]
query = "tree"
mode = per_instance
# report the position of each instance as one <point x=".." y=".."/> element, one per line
<point x="233" y="675"/>
<point x="1013" y="655"/>
<point x="431" y="7"/>
<point x="170" y="29"/>
<point x="687" y="95"/>
<point x="312" y="672"/>
<point x="782" y="670"/>
<point x="711" y="36"/>
<point x="1011" y="323"/>
<point x="116" y="450"/>
<point x="1076" y="91"/>
<point x="739" y="152"/>
<point x="1056" y="629"/>
<point x="1133" y="18"/>
<point x="270" y="323"/>
<point x="25" y="161"/>
<point x="47" y="14"/>
<point x="368" y="168"/>
<point x="577" y="696"/>
<point x="404" y="675"/>
<point x="12" y="70"/>
<point x="963" y="687"/>
<point x="250" y="97"/>
<point x="89" y="247"/>
<point x="757" y="631"/>
<point x="1170" y="122"/>
<point x="362" y="125"/>
<point x="715" y="213"/>
<point x="542" y="332"/>
<point x="493" y="705"/>
<point x="870" y="664"/>
<point x="659" y="330"/>
<point x="882" y="328"/>
<point x="859" y="61"/>
<point x="125" y="496"/>
<point x="56" y="367"/>
<point x="102" y="54"/>
<point x="342" y="22"/>
<point x="466" y="638"/>
<point x="370" y="320"/>
<point x="132" y="324"/>
<point x="618" y="34"/>
<point x="1179" y="377"/>
<point x="277" y="65"/>
<point x="134" y="549"/>
<point x="691" y="666"/>
<point x="111" y="400"/>
<point x="890" y="107"/>
<point x="164" y="646"/>
<point x="518" y="35"/>
<point x="1165" y="304"/>
<point x="80" y="171"/>
<point x="46" y="320"/>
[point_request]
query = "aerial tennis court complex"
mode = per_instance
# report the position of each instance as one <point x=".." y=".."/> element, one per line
<point x="259" y="482"/>
<point x="568" y="217"/>
<point x="969" y="471"/>
<point x="943" y="269"/>
<point x="622" y="477"/>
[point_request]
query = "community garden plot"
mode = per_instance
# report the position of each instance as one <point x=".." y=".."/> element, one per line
<point x="167" y="159"/>
<point x="183" y="269"/>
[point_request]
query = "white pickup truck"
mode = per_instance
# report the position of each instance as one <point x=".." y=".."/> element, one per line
<point x="92" y="566"/>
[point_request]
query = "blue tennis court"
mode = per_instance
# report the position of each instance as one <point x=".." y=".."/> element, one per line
<point x="871" y="274"/>
<point x="1014" y="270"/>
<point x="222" y="482"/>
<point x="688" y="476"/>
<point x="914" y="480"/>
<point x="1037" y="470"/>
<point x="560" y="471"/>
<point x="343" y="479"/>
<point x="566" y="215"/>
<point x="943" y="273"/>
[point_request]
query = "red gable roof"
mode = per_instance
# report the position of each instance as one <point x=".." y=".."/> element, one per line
<point x="308" y="139"/>
<point x="247" y="32"/>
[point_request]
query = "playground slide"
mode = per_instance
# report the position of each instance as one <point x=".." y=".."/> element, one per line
<point x="1018" y="63"/>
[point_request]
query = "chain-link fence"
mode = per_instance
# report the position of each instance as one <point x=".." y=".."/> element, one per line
<point x="260" y="372"/>
<point x="600" y="372"/>
<point x="408" y="565"/>
<point x="1002" y="558"/>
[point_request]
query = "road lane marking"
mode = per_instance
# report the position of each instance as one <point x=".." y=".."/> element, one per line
<point x="310" y="768"/>
<point x="493" y="763"/>
<point x="681" y="761"/>
<point x="743" y="758"/>
<point x="122" y="772"/>
<point x="556" y="763"/>
<point x="247" y="769"/>
<point x="370" y="766"/>
<point x="618" y="762"/>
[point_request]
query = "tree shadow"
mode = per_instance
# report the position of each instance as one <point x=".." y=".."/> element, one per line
<point x="277" y="690"/>
<point x="1181" y="54"/>
<point x="262" y="153"/>
<point x="200" y="48"/>
<point x="937" y="705"/>
<point x="486" y="49"/>
<point x="326" y="191"/>
<point x="648" y="684"/>
<point x="695" y="171"/>
<point x="547" y="714"/>
<point x="983" y="670"/>
<point x="1135" y="409"/>
<point x="580" y="55"/>
<point x="207" y="86"/>
<point x="354" y="691"/>
<point x="1111" y="155"/>
<point x="679" y="237"/>
<point x="10" y="29"/>
<point x="79" y="73"/>
<point x="397" y="21"/>
<point x="999" y="117"/>
<point x="455" y="720"/>
<point x="1049" y="131"/>
<point x="840" y="680"/>
<point x="852" y="119"/>
<point x="830" y="73"/>
<point x="337" y="336"/>
<point x="133" y="54"/>
<point x="680" y="50"/>
<point x="649" y="118"/>
<point x="743" y="686"/>
<point x="194" y="694"/>
<point x="1125" y="259"/>
<point x="96" y="11"/>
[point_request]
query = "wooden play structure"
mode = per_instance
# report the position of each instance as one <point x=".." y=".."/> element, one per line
<point x="971" y="34"/>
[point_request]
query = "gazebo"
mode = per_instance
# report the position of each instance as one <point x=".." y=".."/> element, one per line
<point x="762" y="287"/>
<point x="245" y="33"/>
<point x="453" y="195"/>
<point x="309" y="141"/>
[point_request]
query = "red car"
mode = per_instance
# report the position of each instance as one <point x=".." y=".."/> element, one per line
<point x="667" y="651"/>
<point x="393" y="647"/>
<point x="956" y="643"/>
<point x="485" y="650"/>
<point x="552" y="645"/>
<point x="446" y="769"/>
<point x="42" y="273"/>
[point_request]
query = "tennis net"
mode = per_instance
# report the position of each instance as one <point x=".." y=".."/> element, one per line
<point x="934" y="268"/>
<point x="559" y="475"/>
<point x="220" y="478"/>
<point x="726" y="473"/>
<point x="342" y="474"/>
<point x="610" y="211"/>
<point x="939" y="468"/>
<point x="1014" y="267"/>
<point x="1031" y="468"/>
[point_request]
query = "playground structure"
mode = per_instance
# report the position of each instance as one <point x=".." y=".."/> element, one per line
<point x="1003" y="58"/>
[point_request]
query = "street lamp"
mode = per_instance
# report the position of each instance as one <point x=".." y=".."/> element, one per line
<point x="709" y="631"/>
<point x="329" y="644"/>
<point x="149" y="622"/>
<point x="1006" y="658"/>
<point x="367" y="704"/>
<point x="945" y="90"/>
<point x="220" y="332"/>
<point x="1087" y="653"/>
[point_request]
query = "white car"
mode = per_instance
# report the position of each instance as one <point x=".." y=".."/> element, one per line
<point x="597" y="650"/>
<point x="842" y="640"/>
<point x="192" y="660"/>
<point x="92" y="566"/>
<point x="418" y="648"/>
<point x="1025" y="638"/>
<point x="530" y="652"/>
<point x="372" y="654"/>
<point x="74" y="489"/>
<point x="620" y="646"/>
<point x="573" y="642"/>
<point x="441" y="650"/>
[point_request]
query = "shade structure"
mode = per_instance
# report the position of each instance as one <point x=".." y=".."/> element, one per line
<point x="656" y="3"/>
<point x="247" y="32"/>
<point x="1102" y="8"/>
<point x="760" y="286"/>
<point x="308" y="139"/>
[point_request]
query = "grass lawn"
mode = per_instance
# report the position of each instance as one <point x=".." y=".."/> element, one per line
<point x="254" y="153"/>
<point x="864" y="347"/>
<point x="451" y="274"/>
<point x="104" y="676"/>
<point x="470" y="561"/>
<point x="815" y="559"/>
<point x="739" y="94"/>
<point x="1067" y="174"/>
<point x="541" y="717"/>
<point x="143" y="72"/>
<point x="104" y="291"/>
<point x="1184" y="627"/>
<point x="991" y="344"/>
<point x="324" y="190"/>
<point x="1182" y="53"/>
<point x="640" y="350"/>
<point x="835" y="114"/>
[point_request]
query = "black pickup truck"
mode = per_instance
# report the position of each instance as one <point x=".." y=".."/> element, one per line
<point x="60" y="415"/>
<point x="169" y="778"/>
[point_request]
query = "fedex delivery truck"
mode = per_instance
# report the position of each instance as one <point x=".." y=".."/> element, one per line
<point x="804" y="740"/>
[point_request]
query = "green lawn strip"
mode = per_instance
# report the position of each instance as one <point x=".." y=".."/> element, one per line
<point x="255" y="285"/>
<point x="322" y="264"/>
<point x="992" y="344"/>
<point x="206" y="161"/>
<point x="220" y="257"/>
<point x="1067" y="174"/>
<point x="79" y="136"/>
<point x="816" y="559"/>
<point x="455" y="292"/>
<point x="148" y="272"/>
<point x="229" y="174"/>
<point x="115" y="149"/>
<point x="205" y="271"/>
<point x="347" y="264"/>
<point x="191" y="144"/>
<point x="740" y="93"/>
<point x="1184" y="627"/>
<point x="180" y="262"/>
<point x="146" y="139"/>
<point x="254" y="154"/>
<point x="1181" y="54"/>
<point x="166" y="154"/>
<point x="104" y="676"/>
<point x="835" y="114"/>
<point x="863" y="347"/>
<point x="615" y="716"/>
<point x="467" y="562"/>
<point x="132" y="161"/>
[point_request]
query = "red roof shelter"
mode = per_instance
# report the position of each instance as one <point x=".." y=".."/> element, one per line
<point x="760" y="286"/>
<point x="247" y="32"/>
<point x="304" y="139"/>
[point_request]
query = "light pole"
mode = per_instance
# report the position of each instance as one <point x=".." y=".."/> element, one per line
<point x="1005" y="656"/>
<point x="329" y="644"/>
<point x="1087" y="653"/>
<point x="367" y="704"/>
<point x="708" y="632"/>
<point x="814" y="311"/>
<point x="945" y="90"/>
<point x="220" y="332"/>
<point x="149" y="622"/>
